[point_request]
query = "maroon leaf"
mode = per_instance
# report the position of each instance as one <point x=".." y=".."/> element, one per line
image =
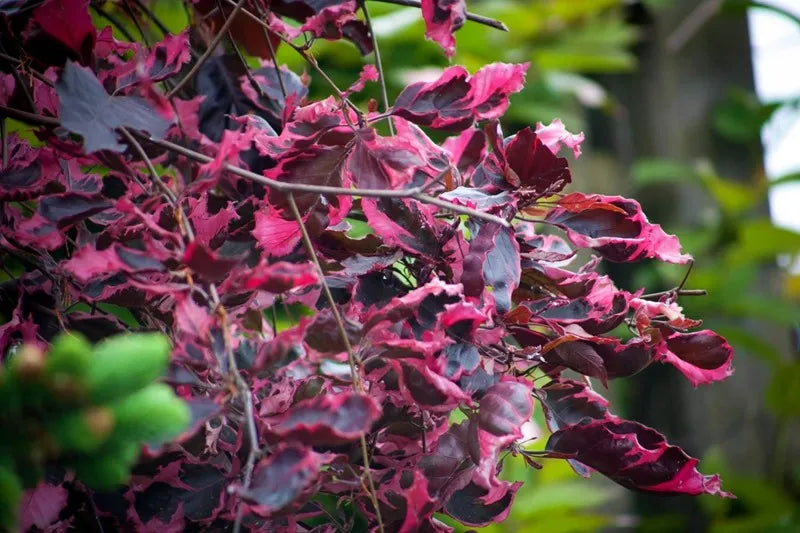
<point x="282" y="478"/>
<point x="702" y="356"/>
<point x="327" y="419"/>
<point x="68" y="22"/>
<point x="567" y="402"/>
<point x="89" y="262"/>
<point x="281" y="277"/>
<point x="634" y="456"/>
<point x="442" y="18"/>
<point x="468" y="507"/>
<point x="456" y="100"/>
<point x="618" y="236"/>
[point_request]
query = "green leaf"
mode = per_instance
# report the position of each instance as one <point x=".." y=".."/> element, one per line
<point x="740" y="116"/>
<point x="650" y="171"/>
<point x="761" y="240"/>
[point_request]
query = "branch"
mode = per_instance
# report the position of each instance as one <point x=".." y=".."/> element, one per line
<point x="480" y="19"/>
<point x="351" y="358"/>
<point x="210" y="50"/>
<point x="414" y="193"/>
<point x="378" y="62"/>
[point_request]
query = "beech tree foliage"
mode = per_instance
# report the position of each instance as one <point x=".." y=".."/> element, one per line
<point x="337" y="379"/>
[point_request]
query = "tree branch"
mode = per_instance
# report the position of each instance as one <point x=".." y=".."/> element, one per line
<point x="480" y="19"/>
<point x="378" y="62"/>
<point x="414" y="193"/>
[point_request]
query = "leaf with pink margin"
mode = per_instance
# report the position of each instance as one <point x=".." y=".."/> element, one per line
<point x="555" y="134"/>
<point x="467" y="505"/>
<point x="702" y="356"/>
<point x="329" y="419"/>
<point x="419" y="504"/>
<point x="282" y="478"/>
<point x="442" y="18"/>
<point x="504" y="408"/>
<point x="634" y="456"/>
<point x="164" y="59"/>
<point x="456" y="99"/>
<point x="466" y="149"/>
<point x="426" y="388"/>
<point x="281" y="276"/>
<point x="89" y="262"/>
<point x="618" y="237"/>
<point x="403" y="223"/>
<point x="276" y="235"/>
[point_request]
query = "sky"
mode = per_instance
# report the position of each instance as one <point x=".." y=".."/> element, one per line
<point x="775" y="42"/>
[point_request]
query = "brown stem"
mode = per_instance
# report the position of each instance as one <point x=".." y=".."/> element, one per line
<point x="210" y="50"/>
<point x="351" y="358"/>
<point x="480" y="19"/>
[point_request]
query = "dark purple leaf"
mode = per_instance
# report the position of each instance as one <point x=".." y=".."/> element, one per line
<point x="282" y="478"/>
<point x="634" y="456"/>
<point x="87" y="109"/>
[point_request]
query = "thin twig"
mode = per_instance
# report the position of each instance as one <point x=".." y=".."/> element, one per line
<point x="152" y="16"/>
<point x="274" y="60"/>
<point x="351" y="358"/>
<point x="20" y="83"/>
<point x="153" y="173"/>
<point x="36" y="74"/>
<point x="414" y="193"/>
<point x="480" y="19"/>
<point x="135" y="20"/>
<point x="210" y="50"/>
<point x="682" y="292"/>
<point x="378" y="62"/>
<point x="311" y="60"/>
<point x="242" y="60"/>
<point x="113" y="20"/>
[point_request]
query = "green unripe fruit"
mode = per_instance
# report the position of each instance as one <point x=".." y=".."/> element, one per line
<point x="153" y="415"/>
<point x="124" y="364"/>
<point x="83" y="431"/>
<point x="67" y="363"/>
<point x="70" y="353"/>
<point x="110" y="468"/>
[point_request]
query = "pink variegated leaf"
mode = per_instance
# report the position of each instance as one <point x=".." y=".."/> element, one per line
<point x="702" y="356"/>
<point x="634" y="456"/>
<point x="456" y="99"/>
<point x="555" y="134"/>
<point x="329" y="419"/>
<point x="442" y="19"/>
<point x="616" y="236"/>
